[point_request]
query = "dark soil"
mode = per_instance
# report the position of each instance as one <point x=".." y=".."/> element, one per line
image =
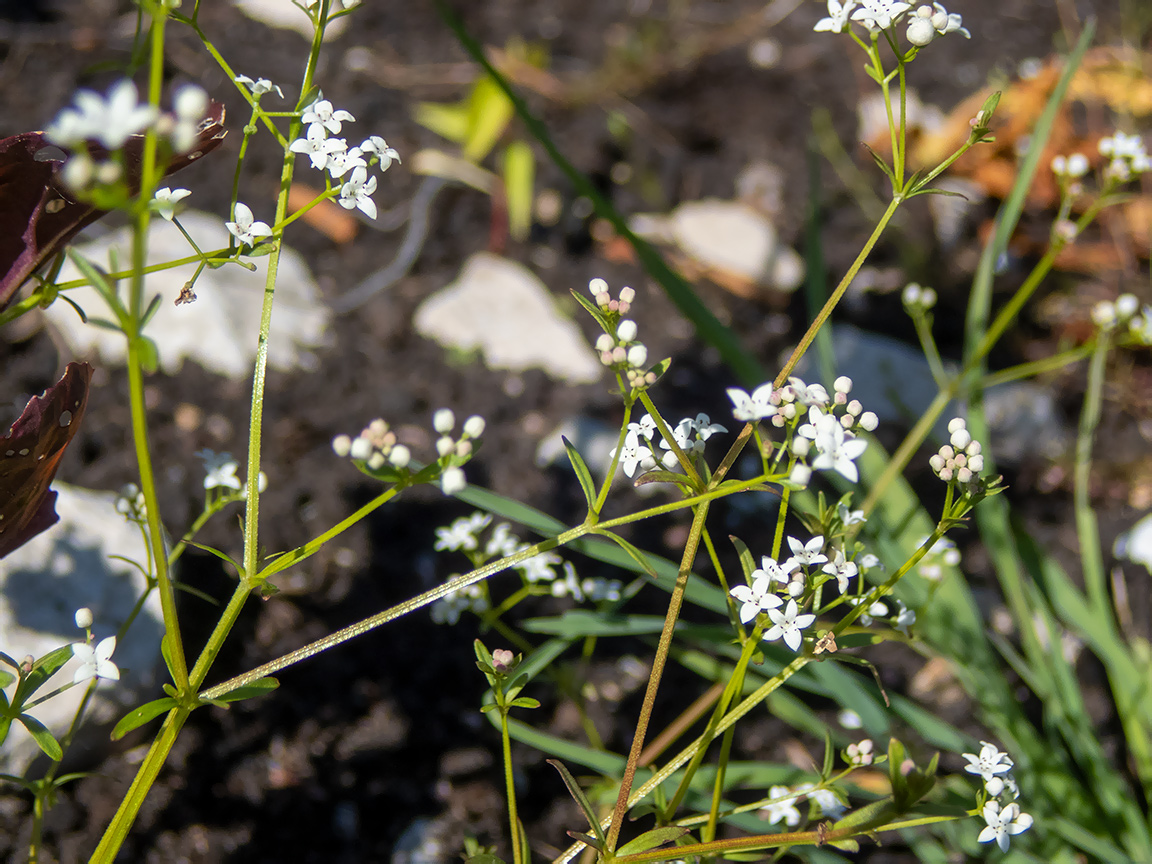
<point x="359" y="744"/>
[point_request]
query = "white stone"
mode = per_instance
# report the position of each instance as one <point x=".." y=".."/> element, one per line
<point x="729" y="236"/>
<point x="503" y="310"/>
<point x="1135" y="544"/>
<point x="285" y="15"/>
<point x="45" y="581"/>
<point x="219" y="330"/>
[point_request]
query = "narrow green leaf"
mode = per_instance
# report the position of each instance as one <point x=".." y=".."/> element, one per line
<point x="43" y="669"/>
<point x="83" y="315"/>
<point x="6" y="678"/>
<point x="43" y="737"/>
<point x="747" y="562"/>
<point x="633" y="553"/>
<point x="582" y="472"/>
<point x="880" y="161"/>
<point x="652" y="839"/>
<point x="590" y="307"/>
<point x="5" y="725"/>
<point x="139" y="716"/>
<point x="152" y="309"/>
<point x="447" y="121"/>
<point x="519" y="183"/>
<point x="99" y="280"/>
<point x="19" y="781"/>
<point x="259" y="687"/>
<point x="829" y="755"/>
<point x="149" y="355"/>
<point x="595" y="843"/>
<point x="581" y="799"/>
<point x="4" y="658"/>
<point x="525" y="702"/>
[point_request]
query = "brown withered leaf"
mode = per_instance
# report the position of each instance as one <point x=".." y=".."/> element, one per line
<point x="30" y="455"/>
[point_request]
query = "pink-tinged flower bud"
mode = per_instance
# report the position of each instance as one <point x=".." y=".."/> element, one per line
<point x="964" y="475"/>
<point x="854" y="408"/>
<point x="605" y="343"/>
<point x="502" y="659"/>
<point x="976" y="463"/>
<point x="627" y="295"/>
<point x="463" y="448"/>
<point x="869" y="421"/>
<point x="937" y="462"/>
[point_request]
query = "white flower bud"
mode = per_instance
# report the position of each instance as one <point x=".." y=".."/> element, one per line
<point x="974" y="448"/>
<point x="854" y="408"/>
<point x="800" y="475"/>
<point x="627" y="295"/>
<point x="637" y="355"/>
<point x="947" y="452"/>
<point x="795" y="588"/>
<point x="1104" y="314"/>
<point x="342" y="445"/>
<point x="376" y="461"/>
<point x="961" y="438"/>
<point x="869" y="421"/>
<point x="1126" y="306"/>
<point x="669" y="460"/>
<point x="597" y="286"/>
<point x="361" y="448"/>
<point x="956" y="423"/>
<point x="964" y="475"/>
<point x="976" y="464"/>
<point x="445" y="445"/>
<point x="474" y="426"/>
<point x="443" y="421"/>
<point x="928" y="298"/>
<point x="937" y="462"/>
<point x="921" y="32"/>
<point x="605" y="343"/>
<point x="1077" y="165"/>
<point x="83" y="617"/>
<point x="626" y="332"/>
<point x="400" y="456"/>
<point x="1059" y="166"/>
<point x="801" y="447"/>
<point x="847" y="421"/>
<point x="190" y="103"/>
<point x="911" y="294"/>
<point x="843" y="384"/>
<point x="453" y="481"/>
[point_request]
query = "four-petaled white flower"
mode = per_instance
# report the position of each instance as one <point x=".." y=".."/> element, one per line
<point x="783" y="809"/>
<point x="357" y="192"/>
<point x="788" y="624"/>
<point x="219" y="470"/>
<point x="245" y="229"/>
<point x="756" y="598"/>
<point x="808" y="553"/>
<point x="754" y="407"/>
<point x="635" y="455"/>
<point x="842" y="569"/>
<point x="808" y="394"/>
<point x="322" y="112"/>
<point x="1001" y="823"/>
<point x="879" y="14"/>
<point x="774" y="572"/>
<point x="95" y="662"/>
<point x="990" y="764"/>
<point x="837" y="20"/>
<point x="342" y="160"/>
<point x="260" y="86"/>
<point x="838" y="449"/>
<point x="166" y="199"/>
<point x="110" y="121"/>
<point x="317" y="145"/>
<point x="376" y="146"/>
<point x="461" y="534"/>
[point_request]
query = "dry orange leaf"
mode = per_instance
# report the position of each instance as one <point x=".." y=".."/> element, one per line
<point x="327" y="217"/>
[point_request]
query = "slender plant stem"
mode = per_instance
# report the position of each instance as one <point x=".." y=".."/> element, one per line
<point x="510" y="790"/>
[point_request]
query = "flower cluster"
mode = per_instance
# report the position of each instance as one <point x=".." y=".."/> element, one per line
<point x="859" y="755"/>
<point x="1001" y="813"/>
<point x="1125" y="310"/>
<point x="916" y="297"/>
<point x="960" y="459"/>
<point x="1127" y="156"/>
<point x="830" y="427"/>
<point x="639" y="453"/>
<point x="1070" y="167"/>
<point x="110" y="121"/>
<point x="782" y="806"/>
<point x="464" y="535"/>
<point x="130" y="503"/>
<point x="618" y="347"/>
<point x="376" y="447"/>
<point x="334" y="157"/>
<point x="924" y="25"/>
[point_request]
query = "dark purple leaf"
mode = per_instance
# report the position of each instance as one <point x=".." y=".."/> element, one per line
<point x="31" y="453"/>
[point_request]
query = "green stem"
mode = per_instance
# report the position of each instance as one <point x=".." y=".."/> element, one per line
<point x="1087" y="529"/>
<point x="510" y="791"/>
<point x="658" y="663"/>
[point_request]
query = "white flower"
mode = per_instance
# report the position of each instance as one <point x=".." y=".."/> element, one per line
<point x="453" y="480"/>
<point x="461" y="534"/>
<point x="818" y="423"/>
<point x="95" y="662"/>
<point x="570" y="584"/>
<point x="905" y="618"/>
<point x="110" y="121"/>
<point x="502" y="542"/>
<point x="849" y="517"/>
<point x="783" y="809"/>
<point x="837" y="20"/>
<point x="317" y="145"/>
<point x="635" y="455"/>
<point x="989" y="764"/>
<point x="244" y="229"/>
<point x="876" y="609"/>
<point x="358" y="193"/>
<point x="774" y="572"/>
<point x="260" y="86"/>
<point x="826" y="799"/>
<point x="219" y="470"/>
<point x="540" y="568"/>
<point x="1001" y="823"/>
<point x="755" y="599"/>
<point x="754" y="407"/>
<point x="808" y="394"/>
<point x="789" y="625"/>
<point x="838" y="449"/>
<point x="166" y="199"/>
<point x="808" y="553"/>
<point x="879" y="14"/>
<point x="322" y="112"/>
<point x="646" y="427"/>
<point x="342" y="160"/>
<point x="842" y="569"/>
<point x="376" y="146"/>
